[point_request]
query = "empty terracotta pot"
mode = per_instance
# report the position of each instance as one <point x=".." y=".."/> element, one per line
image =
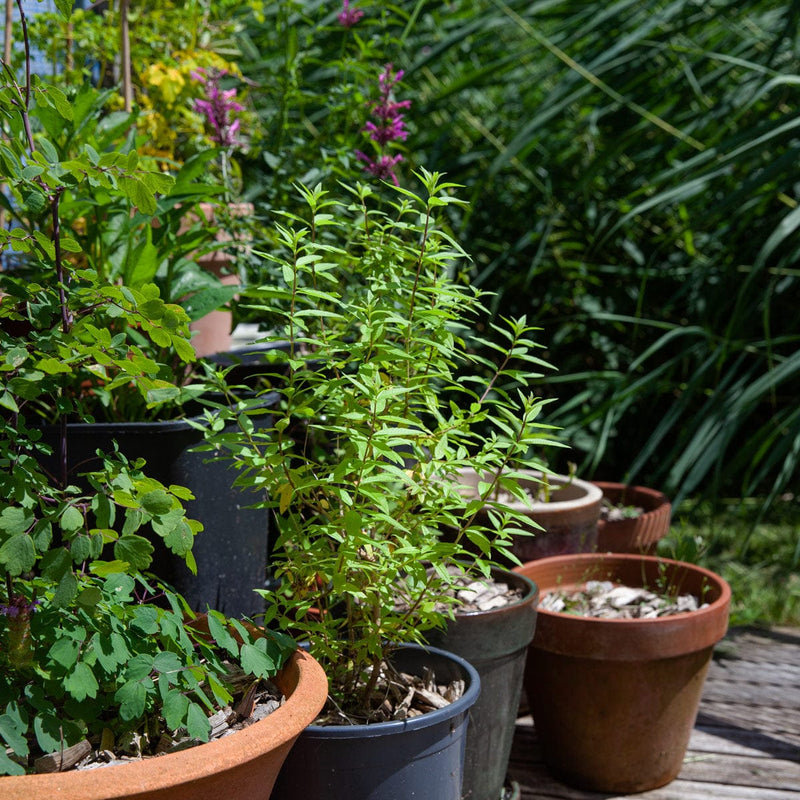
<point x="614" y="700"/>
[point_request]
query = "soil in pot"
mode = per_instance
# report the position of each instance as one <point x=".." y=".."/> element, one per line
<point x="614" y="700"/>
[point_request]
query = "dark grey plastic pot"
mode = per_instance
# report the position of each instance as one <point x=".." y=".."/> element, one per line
<point x="232" y="550"/>
<point x="496" y="643"/>
<point x="420" y="758"/>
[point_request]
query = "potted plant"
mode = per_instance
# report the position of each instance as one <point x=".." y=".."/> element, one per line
<point x="382" y="402"/>
<point x="633" y="519"/>
<point x="493" y="634"/>
<point x="120" y="243"/>
<point x="561" y="510"/>
<point x="92" y="648"/>
<point x="614" y="698"/>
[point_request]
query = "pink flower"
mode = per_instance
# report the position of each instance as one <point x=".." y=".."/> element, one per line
<point x="383" y="167"/>
<point x="218" y="107"/>
<point x="349" y="16"/>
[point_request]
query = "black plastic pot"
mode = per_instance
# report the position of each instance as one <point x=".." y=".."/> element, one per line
<point x="496" y="643"/>
<point x="420" y="758"/>
<point x="232" y="550"/>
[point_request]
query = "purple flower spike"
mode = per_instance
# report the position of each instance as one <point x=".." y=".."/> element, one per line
<point x="389" y="126"/>
<point x="218" y="108"/>
<point x="382" y="167"/>
<point x="348" y="17"/>
<point x="19" y="606"/>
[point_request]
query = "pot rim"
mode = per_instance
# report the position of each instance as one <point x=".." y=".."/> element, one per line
<point x="431" y="718"/>
<point x="193" y="764"/>
<point x="626" y="639"/>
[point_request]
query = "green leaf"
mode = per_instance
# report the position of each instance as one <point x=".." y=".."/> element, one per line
<point x="59" y="101"/>
<point x="157" y="502"/>
<point x="222" y="636"/>
<point x="65" y="651"/>
<point x="132" y="698"/>
<point x="138" y="194"/>
<point x="180" y="538"/>
<point x="71" y="520"/>
<point x="81" y="683"/>
<point x="66" y="591"/>
<point x="136" y="550"/>
<point x="15" y="520"/>
<point x="197" y="724"/>
<point x="165" y="661"/>
<point x="255" y="661"/>
<point x="64" y="8"/>
<point x="145" y="618"/>
<point x="9" y="767"/>
<point x="174" y="709"/>
<point x="18" y="554"/>
<point x="12" y="730"/>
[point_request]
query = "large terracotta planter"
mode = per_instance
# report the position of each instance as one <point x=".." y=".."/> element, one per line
<point x="495" y="642"/>
<point x="566" y="523"/>
<point x="241" y="766"/>
<point x="638" y="534"/>
<point x="614" y="701"/>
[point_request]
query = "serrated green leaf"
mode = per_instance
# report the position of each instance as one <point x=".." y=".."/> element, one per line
<point x="18" y="554"/>
<point x="197" y="724"/>
<point x="81" y="683"/>
<point x="65" y="651"/>
<point x="256" y="662"/>
<point x="174" y="709"/>
<point x="166" y="661"/>
<point x="136" y="550"/>
<point x="132" y="698"/>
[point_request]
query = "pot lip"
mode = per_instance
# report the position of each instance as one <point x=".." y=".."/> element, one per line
<point x="629" y="639"/>
<point x="592" y="493"/>
<point x="376" y="729"/>
<point x="120" y="781"/>
<point x="666" y="621"/>
<point x="635" y="489"/>
<point x="155" y="427"/>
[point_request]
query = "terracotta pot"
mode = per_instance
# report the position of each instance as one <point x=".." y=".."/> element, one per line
<point x="212" y="332"/>
<point x="495" y="642"/>
<point x="638" y="534"/>
<point x="236" y="767"/>
<point x="567" y="522"/>
<point x="614" y="701"/>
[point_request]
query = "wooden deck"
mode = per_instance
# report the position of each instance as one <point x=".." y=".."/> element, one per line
<point x="745" y="744"/>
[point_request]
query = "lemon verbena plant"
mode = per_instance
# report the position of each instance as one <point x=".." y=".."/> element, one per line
<point x="382" y="401"/>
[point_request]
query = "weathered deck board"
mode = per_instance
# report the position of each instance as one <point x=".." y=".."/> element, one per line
<point x="746" y="742"/>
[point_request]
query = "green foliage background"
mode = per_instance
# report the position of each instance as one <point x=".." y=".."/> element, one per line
<point x="632" y="174"/>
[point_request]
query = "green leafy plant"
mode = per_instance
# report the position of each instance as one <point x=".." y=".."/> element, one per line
<point x="382" y="401"/>
<point x="88" y="642"/>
